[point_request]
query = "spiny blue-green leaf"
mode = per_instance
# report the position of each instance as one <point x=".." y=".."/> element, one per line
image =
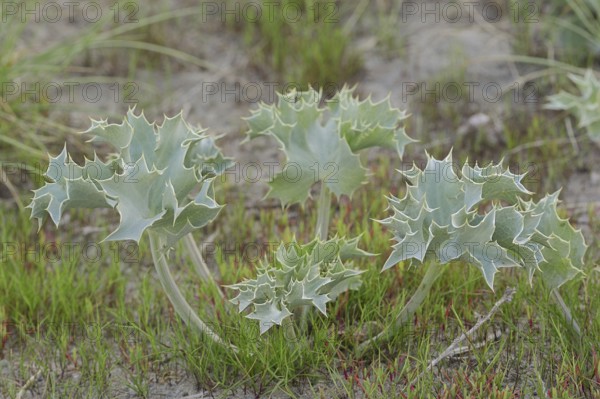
<point x="562" y="246"/>
<point x="438" y="187"/>
<point x="514" y="229"/>
<point x="366" y="124"/>
<point x="320" y="142"/>
<point x="300" y="275"/>
<point x="341" y="279"/>
<point x="206" y="154"/>
<point x="413" y="239"/>
<point x="472" y="242"/>
<point x="585" y="106"/>
<point x="496" y="182"/>
<point x="70" y="186"/>
<point x="269" y="314"/>
<point x="143" y="142"/>
<point x="328" y="251"/>
<point x="307" y="291"/>
<point x="117" y="135"/>
<point x="349" y="248"/>
<point x="315" y="152"/>
<point x="138" y="210"/>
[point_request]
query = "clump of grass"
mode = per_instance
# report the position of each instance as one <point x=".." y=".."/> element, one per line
<point x="575" y="30"/>
<point x="305" y="47"/>
<point x="562" y="33"/>
<point x="24" y="127"/>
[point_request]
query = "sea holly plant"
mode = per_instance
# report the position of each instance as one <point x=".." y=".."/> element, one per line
<point x="156" y="182"/>
<point x="478" y="216"/>
<point x="321" y="142"/>
<point x="585" y="107"/>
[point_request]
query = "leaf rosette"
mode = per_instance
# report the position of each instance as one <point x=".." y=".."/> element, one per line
<point x="157" y="179"/>
<point x="321" y="142"/>
<point x="439" y="218"/>
<point x="299" y="275"/>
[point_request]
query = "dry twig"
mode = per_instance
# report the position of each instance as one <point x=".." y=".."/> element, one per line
<point x="454" y="348"/>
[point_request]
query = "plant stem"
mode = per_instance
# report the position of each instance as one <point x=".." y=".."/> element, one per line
<point x="433" y="272"/>
<point x="566" y="311"/>
<point x="323" y="212"/>
<point x="321" y="233"/>
<point x="431" y="275"/>
<point x="199" y="264"/>
<point x="290" y="332"/>
<point x="304" y="318"/>
<point x="183" y="309"/>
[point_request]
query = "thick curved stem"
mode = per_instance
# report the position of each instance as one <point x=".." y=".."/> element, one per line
<point x="566" y="311"/>
<point x="433" y="272"/>
<point x="183" y="309"/>
<point x="199" y="263"/>
<point x="431" y="275"/>
<point x="323" y="212"/>
<point x="323" y="207"/>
